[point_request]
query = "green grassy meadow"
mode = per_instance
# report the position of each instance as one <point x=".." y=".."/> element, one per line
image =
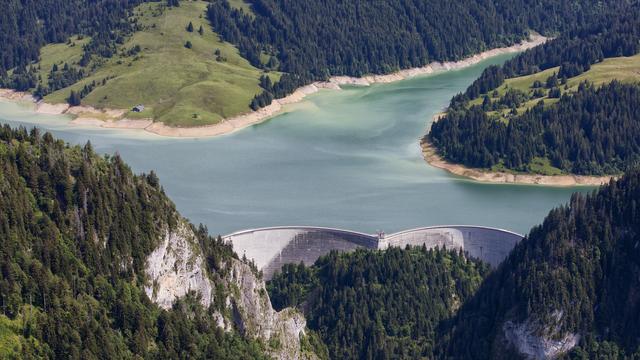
<point x="625" y="69"/>
<point x="178" y="86"/>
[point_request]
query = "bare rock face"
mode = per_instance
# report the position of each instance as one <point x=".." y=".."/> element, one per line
<point x="176" y="267"/>
<point x="255" y="317"/>
<point x="540" y="341"/>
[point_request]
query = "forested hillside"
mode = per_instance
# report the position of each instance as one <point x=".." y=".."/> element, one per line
<point x="594" y="131"/>
<point x="574" y="279"/>
<point x="76" y="231"/>
<point x="162" y="54"/>
<point x="614" y="33"/>
<point x="311" y="41"/>
<point x="559" y="108"/>
<point x="379" y="304"/>
<point x="25" y="26"/>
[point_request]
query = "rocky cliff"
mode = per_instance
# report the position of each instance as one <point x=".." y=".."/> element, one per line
<point x="177" y="267"/>
<point x="536" y="340"/>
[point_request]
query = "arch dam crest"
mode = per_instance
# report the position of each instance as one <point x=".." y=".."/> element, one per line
<point x="270" y="248"/>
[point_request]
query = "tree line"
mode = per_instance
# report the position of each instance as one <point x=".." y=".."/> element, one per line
<point x="616" y="32"/>
<point x="26" y="26"/>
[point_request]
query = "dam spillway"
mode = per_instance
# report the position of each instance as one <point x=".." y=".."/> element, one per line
<point x="271" y="248"/>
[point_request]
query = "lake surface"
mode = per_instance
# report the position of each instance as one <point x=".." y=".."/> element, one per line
<point x="348" y="159"/>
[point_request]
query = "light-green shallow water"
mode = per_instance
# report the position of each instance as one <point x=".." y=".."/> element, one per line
<point x="348" y="159"/>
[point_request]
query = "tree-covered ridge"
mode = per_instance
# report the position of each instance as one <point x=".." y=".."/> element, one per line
<point x="379" y="304"/>
<point x="583" y="263"/>
<point x="555" y="124"/>
<point x="25" y="26"/>
<point x="613" y="33"/>
<point x="75" y="231"/>
<point x="594" y="131"/>
<point x="314" y="40"/>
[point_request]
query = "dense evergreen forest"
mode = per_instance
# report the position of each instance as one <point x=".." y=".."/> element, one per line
<point x="25" y="26"/>
<point x="379" y="304"/>
<point x="589" y="131"/>
<point x="314" y="40"/>
<point x="576" y="273"/>
<point x="595" y="130"/>
<point x="616" y="32"/>
<point x="75" y="230"/>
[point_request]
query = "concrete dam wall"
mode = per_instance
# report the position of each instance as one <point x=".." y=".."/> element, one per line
<point x="271" y="248"/>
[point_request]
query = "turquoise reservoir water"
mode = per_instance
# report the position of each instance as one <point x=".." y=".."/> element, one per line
<point x="347" y="159"/>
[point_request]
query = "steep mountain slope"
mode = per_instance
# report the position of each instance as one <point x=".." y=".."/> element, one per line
<point x="570" y="289"/>
<point x="97" y="263"/>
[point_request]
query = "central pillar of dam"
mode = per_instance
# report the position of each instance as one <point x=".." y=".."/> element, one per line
<point x="271" y="248"/>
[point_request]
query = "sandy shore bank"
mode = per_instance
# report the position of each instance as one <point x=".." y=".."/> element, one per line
<point x="431" y="156"/>
<point x="115" y="118"/>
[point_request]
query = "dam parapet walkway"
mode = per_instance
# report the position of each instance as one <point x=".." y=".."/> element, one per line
<point x="270" y="248"/>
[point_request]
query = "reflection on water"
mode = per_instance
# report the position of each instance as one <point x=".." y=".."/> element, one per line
<point x="347" y="159"/>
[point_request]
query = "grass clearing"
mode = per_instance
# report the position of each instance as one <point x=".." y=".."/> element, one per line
<point x="543" y="166"/>
<point x="59" y="54"/>
<point x="625" y="69"/>
<point x="537" y="165"/>
<point x="178" y="86"/>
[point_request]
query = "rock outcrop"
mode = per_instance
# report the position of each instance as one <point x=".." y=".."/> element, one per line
<point x="535" y="340"/>
<point x="174" y="269"/>
<point x="255" y="317"/>
<point x="177" y="267"/>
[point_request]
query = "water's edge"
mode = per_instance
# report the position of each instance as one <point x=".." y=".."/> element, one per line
<point x="349" y="159"/>
<point x="90" y="116"/>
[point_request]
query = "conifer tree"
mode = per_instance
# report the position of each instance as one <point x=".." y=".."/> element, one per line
<point x="74" y="98"/>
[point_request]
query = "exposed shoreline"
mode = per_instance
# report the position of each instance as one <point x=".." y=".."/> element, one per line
<point x="115" y="118"/>
<point x="431" y="156"/>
